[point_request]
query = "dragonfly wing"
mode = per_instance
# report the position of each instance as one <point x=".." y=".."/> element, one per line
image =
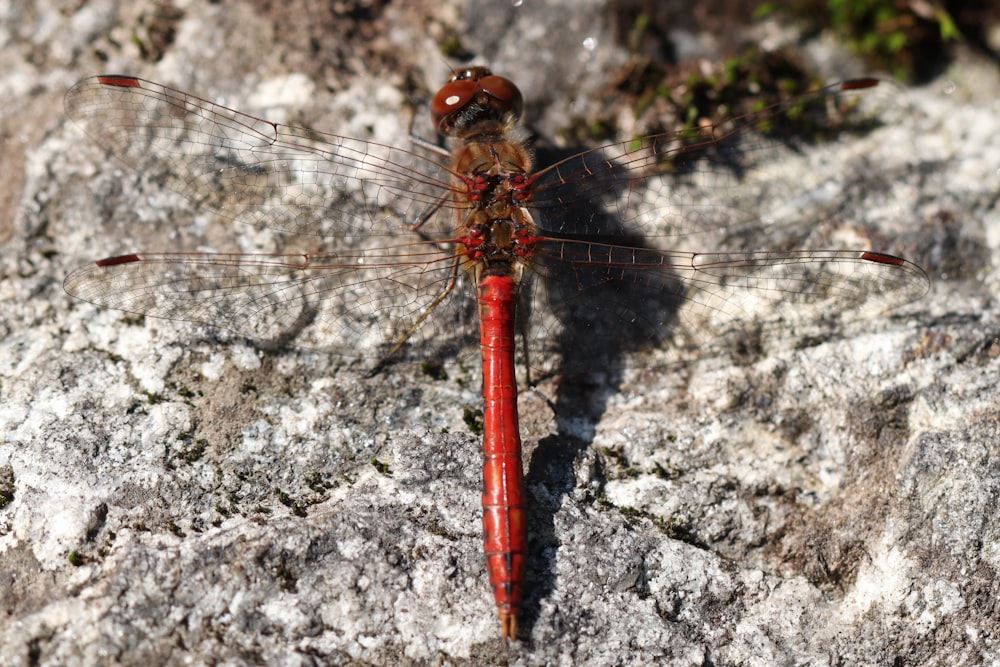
<point x="356" y="305"/>
<point x="634" y="297"/>
<point x="261" y="173"/>
<point x="692" y="181"/>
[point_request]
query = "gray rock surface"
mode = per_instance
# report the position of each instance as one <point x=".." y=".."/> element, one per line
<point x="173" y="494"/>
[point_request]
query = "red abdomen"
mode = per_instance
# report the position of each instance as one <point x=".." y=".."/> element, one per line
<point x="504" y="524"/>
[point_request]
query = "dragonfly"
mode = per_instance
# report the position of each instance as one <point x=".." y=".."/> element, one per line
<point x="410" y="250"/>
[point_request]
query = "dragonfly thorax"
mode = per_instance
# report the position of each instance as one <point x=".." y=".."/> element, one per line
<point x="499" y="246"/>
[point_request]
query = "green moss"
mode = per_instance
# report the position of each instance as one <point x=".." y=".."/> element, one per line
<point x="903" y="38"/>
<point x="297" y="508"/>
<point x="382" y="468"/>
<point x="434" y="369"/>
<point x="6" y="486"/>
<point x="473" y="418"/>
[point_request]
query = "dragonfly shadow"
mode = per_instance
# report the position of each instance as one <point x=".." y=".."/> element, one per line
<point x="609" y="291"/>
<point x="606" y="295"/>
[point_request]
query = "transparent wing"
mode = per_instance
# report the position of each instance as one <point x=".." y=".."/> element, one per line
<point x="261" y="173"/>
<point x="692" y="181"/>
<point x="357" y="305"/>
<point x="596" y="293"/>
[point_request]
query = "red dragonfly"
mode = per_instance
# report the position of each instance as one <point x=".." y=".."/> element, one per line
<point x="381" y="279"/>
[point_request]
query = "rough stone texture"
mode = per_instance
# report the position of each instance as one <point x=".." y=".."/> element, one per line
<point x="172" y="495"/>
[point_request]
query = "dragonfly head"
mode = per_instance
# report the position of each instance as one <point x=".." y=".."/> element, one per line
<point x="472" y="95"/>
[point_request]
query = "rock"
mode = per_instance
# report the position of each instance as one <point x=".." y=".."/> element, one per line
<point x="171" y="493"/>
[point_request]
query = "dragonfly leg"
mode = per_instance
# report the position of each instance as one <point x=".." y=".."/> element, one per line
<point x="523" y="332"/>
<point x="430" y="147"/>
<point x="426" y="214"/>
<point x="420" y="320"/>
<point x="424" y="144"/>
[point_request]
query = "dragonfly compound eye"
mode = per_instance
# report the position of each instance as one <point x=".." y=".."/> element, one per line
<point x="450" y="100"/>
<point x="503" y="93"/>
<point x="477" y="85"/>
